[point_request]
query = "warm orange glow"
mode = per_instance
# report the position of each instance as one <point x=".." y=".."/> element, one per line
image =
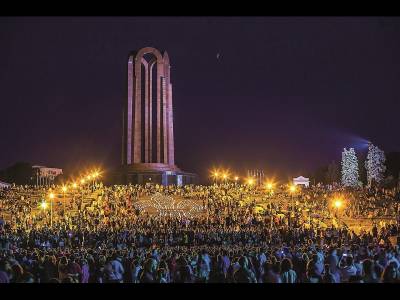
<point x="82" y="181"/>
<point x="269" y="185"/>
<point x="64" y="188"/>
<point x="43" y="205"/>
<point x="292" y="188"/>
<point x="236" y="178"/>
<point x="74" y="185"/>
<point x="337" y="202"/>
<point x="51" y="196"/>
<point x="250" y="181"/>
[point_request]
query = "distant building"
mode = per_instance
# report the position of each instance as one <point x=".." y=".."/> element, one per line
<point x="301" y="181"/>
<point x="45" y="175"/>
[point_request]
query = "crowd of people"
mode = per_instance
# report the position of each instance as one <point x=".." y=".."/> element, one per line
<point x="99" y="234"/>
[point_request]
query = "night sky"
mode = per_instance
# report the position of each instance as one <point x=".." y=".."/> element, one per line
<point x="281" y="94"/>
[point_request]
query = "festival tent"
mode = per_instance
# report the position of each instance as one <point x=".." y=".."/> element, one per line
<point x="4" y="185"/>
<point x="301" y="181"/>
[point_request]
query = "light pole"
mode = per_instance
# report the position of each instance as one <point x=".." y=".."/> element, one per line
<point x="82" y="188"/>
<point x="215" y="175"/>
<point x="292" y="190"/>
<point x="64" y="189"/>
<point x="270" y="187"/>
<point x="338" y="203"/>
<point x="43" y="205"/>
<point x="51" y="196"/>
<point x="270" y="213"/>
<point x="225" y="177"/>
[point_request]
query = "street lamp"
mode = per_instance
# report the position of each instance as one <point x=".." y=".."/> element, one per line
<point x="64" y="189"/>
<point x="292" y="190"/>
<point x="250" y="181"/>
<point x="43" y="205"/>
<point x="51" y="196"/>
<point x="95" y="175"/>
<point x="270" y="186"/>
<point x="224" y="176"/>
<point x="338" y="204"/>
<point x="215" y="174"/>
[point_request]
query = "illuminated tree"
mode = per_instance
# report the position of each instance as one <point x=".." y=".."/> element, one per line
<point x="375" y="164"/>
<point x="349" y="168"/>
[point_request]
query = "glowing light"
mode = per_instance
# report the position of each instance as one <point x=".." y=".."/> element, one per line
<point x="225" y="176"/>
<point x="250" y="181"/>
<point x="43" y="205"/>
<point x="292" y="189"/>
<point x="82" y="181"/>
<point x="338" y="203"/>
<point x="74" y="185"/>
<point x="269" y="185"/>
<point x="236" y="178"/>
<point x="51" y="196"/>
<point x="64" y="188"/>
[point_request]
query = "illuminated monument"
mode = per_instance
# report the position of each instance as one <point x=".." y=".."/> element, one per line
<point x="148" y="132"/>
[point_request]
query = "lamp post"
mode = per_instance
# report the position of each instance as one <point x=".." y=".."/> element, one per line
<point x="43" y="205"/>
<point x="225" y="177"/>
<point x="292" y="190"/>
<point x="338" y="204"/>
<point x="51" y="196"/>
<point x="270" y="187"/>
<point x="270" y="213"/>
<point x="250" y="181"/>
<point x="215" y="175"/>
<point x="64" y="189"/>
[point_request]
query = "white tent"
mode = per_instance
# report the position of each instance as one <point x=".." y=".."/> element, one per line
<point x="4" y="185"/>
<point x="302" y="181"/>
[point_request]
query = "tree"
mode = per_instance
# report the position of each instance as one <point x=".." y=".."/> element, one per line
<point x="375" y="164"/>
<point x="362" y="172"/>
<point x="332" y="174"/>
<point x="349" y="168"/>
<point x="393" y="165"/>
<point x="19" y="173"/>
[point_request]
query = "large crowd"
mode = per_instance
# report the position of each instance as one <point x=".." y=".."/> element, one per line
<point x="98" y="234"/>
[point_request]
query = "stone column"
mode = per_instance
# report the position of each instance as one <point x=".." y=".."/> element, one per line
<point x="158" y="114"/>
<point x="137" y="135"/>
<point x="151" y="68"/>
<point x="171" y="158"/>
<point x="165" y="128"/>
<point x="129" y="110"/>
<point x="147" y="85"/>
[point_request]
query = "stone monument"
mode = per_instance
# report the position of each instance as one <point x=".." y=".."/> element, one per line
<point x="148" y="131"/>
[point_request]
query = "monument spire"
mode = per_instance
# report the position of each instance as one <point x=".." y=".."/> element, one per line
<point x="148" y="137"/>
